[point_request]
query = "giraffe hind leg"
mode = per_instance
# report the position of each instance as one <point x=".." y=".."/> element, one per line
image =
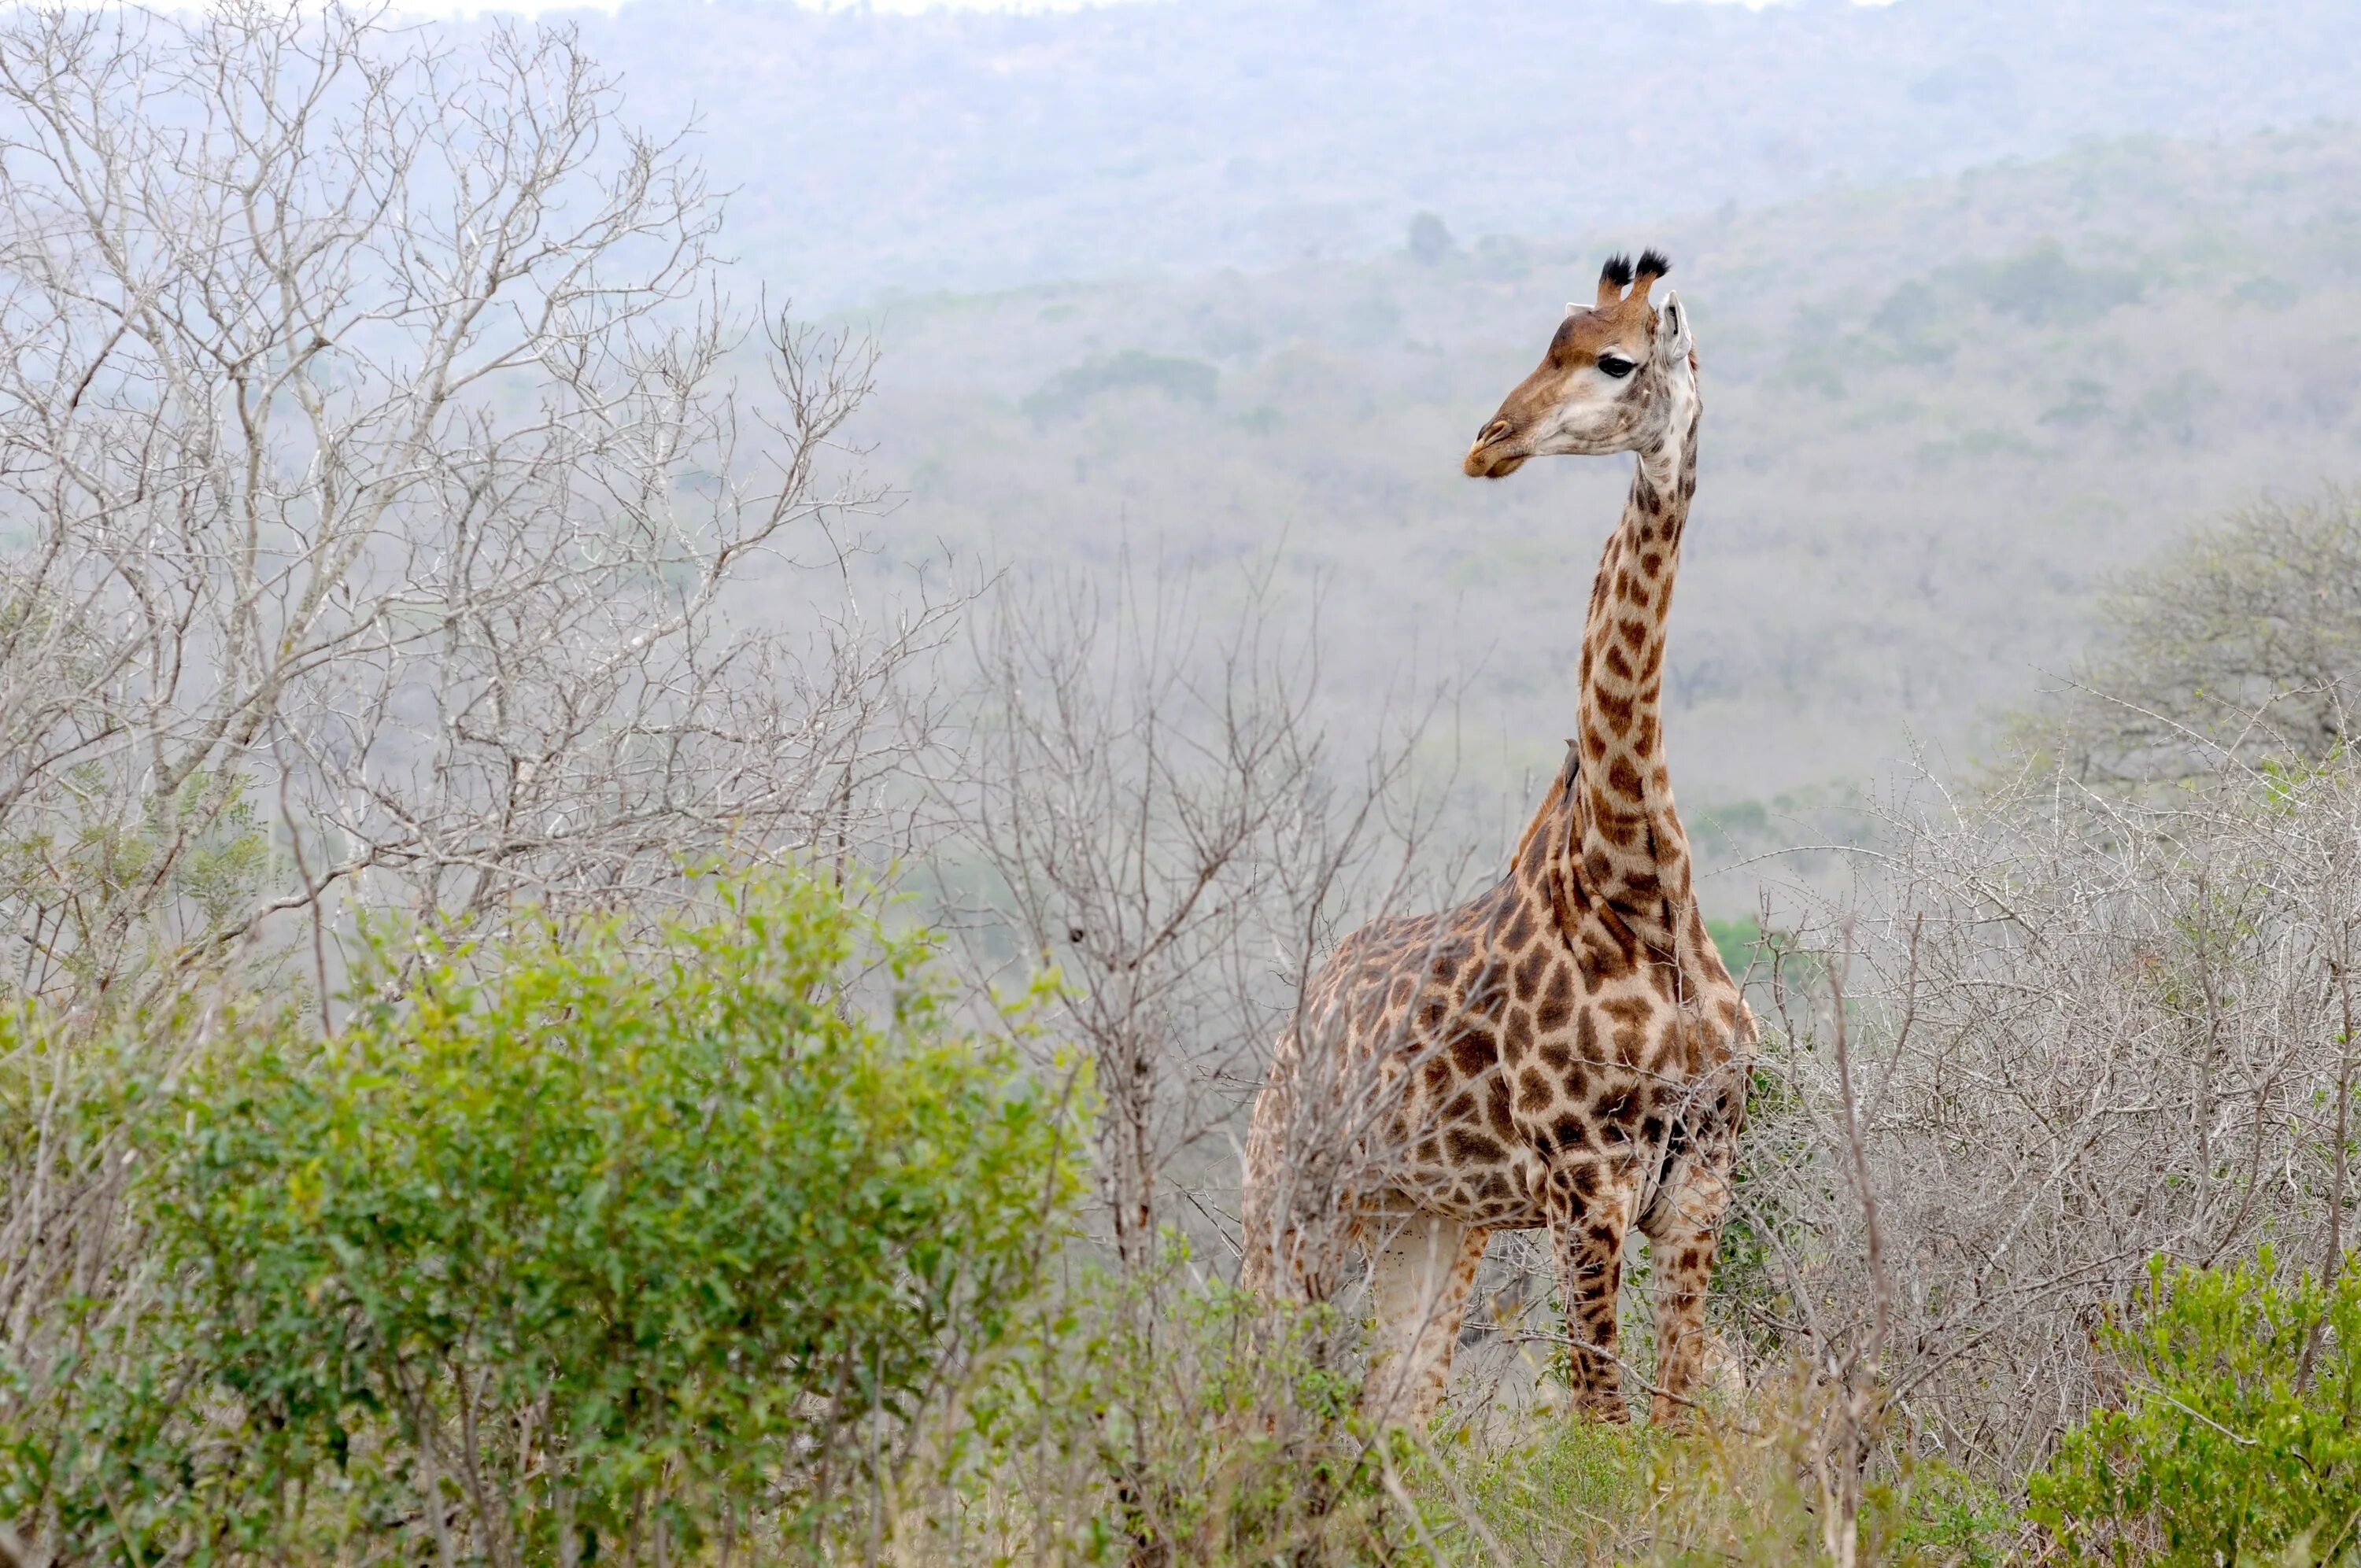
<point x="1422" y="1271"/>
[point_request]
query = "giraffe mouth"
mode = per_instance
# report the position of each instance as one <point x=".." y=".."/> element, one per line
<point x="1493" y="464"/>
<point x="1497" y="453"/>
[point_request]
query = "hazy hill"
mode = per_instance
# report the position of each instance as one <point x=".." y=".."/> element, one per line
<point x="873" y="152"/>
<point x="1937" y="414"/>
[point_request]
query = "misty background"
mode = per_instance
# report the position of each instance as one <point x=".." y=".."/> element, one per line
<point x="1994" y="300"/>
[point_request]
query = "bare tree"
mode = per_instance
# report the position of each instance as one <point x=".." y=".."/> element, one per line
<point x="381" y="523"/>
<point x="1161" y="815"/>
<point x="374" y="476"/>
<point x="1151" y="806"/>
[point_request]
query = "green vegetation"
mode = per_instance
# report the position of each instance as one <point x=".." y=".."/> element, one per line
<point x="1175" y="1421"/>
<point x="2238" y="1438"/>
<point x="1428" y="241"/>
<point x="1167" y="1417"/>
<point x="1733" y="1491"/>
<point x="2244" y="640"/>
<point x="1736" y="941"/>
<point x="2041" y="287"/>
<point x="571" y="1243"/>
<point x="1566" y="1492"/>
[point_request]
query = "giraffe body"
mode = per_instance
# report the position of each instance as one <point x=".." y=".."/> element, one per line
<point x="1566" y="1051"/>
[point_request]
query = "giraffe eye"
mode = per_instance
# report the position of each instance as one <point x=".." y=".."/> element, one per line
<point x="1615" y="365"/>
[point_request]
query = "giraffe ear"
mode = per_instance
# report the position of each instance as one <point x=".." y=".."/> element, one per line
<point x="1571" y="306"/>
<point x="1672" y="326"/>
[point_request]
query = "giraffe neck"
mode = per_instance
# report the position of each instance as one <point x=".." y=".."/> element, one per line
<point x="1633" y="856"/>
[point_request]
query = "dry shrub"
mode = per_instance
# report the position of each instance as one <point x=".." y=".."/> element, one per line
<point x="2089" y="1029"/>
<point x="1161" y="1416"/>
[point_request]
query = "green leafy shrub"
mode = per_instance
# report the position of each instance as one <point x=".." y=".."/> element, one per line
<point x="1739" y="1486"/>
<point x="2239" y="1439"/>
<point x="572" y="1245"/>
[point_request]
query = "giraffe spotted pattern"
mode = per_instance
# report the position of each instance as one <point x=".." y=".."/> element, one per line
<point x="1566" y="1051"/>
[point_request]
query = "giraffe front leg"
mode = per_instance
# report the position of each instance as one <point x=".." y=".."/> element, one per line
<point x="1684" y="1230"/>
<point x="1590" y="1211"/>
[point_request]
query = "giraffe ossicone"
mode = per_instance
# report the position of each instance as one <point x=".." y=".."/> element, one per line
<point x="1566" y="1051"/>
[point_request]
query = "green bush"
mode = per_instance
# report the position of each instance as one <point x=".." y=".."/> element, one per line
<point x="570" y="1247"/>
<point x="2239" y="1439"/>
<point x="1552" y="1488"/>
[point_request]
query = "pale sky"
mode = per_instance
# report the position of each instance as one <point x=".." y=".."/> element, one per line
<point x="532" y="7"/>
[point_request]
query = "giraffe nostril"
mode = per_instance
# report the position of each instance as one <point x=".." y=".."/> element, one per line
<point x="1494" y="430"/>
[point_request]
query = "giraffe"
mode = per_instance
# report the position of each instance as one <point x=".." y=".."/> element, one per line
<point x="1566" y="1051"/>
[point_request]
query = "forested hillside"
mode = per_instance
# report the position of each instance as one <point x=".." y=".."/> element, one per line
<point x="1939" y="415"/>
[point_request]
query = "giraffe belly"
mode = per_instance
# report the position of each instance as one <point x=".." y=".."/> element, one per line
<point x="1504" y="1194"/>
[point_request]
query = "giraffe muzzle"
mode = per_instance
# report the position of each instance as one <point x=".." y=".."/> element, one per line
<point x="1494" y="455"/>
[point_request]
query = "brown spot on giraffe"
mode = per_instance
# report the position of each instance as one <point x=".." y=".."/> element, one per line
<point x="1472" y="1053"/>
<point x="1608" y="1095"/>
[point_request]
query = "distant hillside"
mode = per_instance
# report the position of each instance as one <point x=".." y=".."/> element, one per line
<point x="876" y="151"/>
<point x="1937" y="414"/>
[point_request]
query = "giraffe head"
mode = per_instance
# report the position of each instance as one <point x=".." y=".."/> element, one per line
<point x="1609" y="383"/>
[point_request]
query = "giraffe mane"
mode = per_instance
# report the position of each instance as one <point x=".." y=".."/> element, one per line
<point x="1551" y="801"/>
